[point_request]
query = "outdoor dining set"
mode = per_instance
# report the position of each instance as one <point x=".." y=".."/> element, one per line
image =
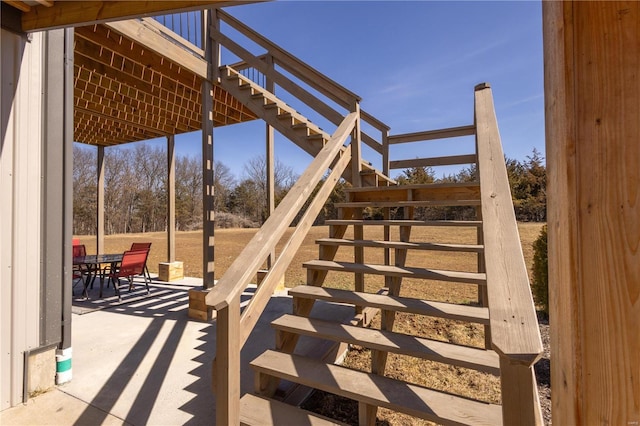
<point x="112" y="267"/>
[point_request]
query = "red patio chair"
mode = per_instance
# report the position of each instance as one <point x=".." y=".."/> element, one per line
<point x="132" y="264"/>
<point x="79" y="250"/>
<point x="142" y="246"/>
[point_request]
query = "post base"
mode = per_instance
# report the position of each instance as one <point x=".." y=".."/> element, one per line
<point x="198" y="308"/>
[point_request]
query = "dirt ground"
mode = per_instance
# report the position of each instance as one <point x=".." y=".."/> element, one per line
<point x="230" y="242"/>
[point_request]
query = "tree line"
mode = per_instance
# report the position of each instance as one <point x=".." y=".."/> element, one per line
<point x="136" y="191"/>
<point x="527" y="179"/>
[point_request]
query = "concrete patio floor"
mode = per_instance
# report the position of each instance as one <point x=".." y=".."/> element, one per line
<point x="144" y="363"/>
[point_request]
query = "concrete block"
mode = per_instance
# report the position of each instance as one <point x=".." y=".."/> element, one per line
<point x="42" y="371"/>
<point x="170" y="271"/>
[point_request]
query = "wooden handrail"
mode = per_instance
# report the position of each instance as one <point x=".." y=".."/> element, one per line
<point x="309" y="75"/>
<point x="515" y="335"/>
<point x="259" y="300"/>
<point x="235" y="280"/>
<point x="514" y="324"/>
<point x="232" y="330"/>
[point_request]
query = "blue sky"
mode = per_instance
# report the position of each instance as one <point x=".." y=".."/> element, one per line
<point x="414" y="63"/>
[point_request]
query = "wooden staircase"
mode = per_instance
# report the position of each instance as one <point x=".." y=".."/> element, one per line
<point x="374" y="389"/>
<point x="498" y="297"/>
<point x="287" y="120"/>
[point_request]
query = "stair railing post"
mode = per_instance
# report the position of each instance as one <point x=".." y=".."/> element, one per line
<point x="520" y="400"/>
<point x="227" y="364"/>
<point x="385" y="152"/>
<point x="356" y="151"/>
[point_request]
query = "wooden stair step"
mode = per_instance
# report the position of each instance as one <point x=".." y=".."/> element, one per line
<point x="396" y="271"/>
<point x="466" y="248"/>
<point x="421" y="203"/>
<point x="377" y="390"/>
<point x="272" y="105"/>
<point x="388" y="341"/>
<point x="474" y="314"/>
<point x="258" y="411"/>
<point x="348" y="222"/>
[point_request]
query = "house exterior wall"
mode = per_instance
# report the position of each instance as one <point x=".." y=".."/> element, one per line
<point x="21" y="112"/>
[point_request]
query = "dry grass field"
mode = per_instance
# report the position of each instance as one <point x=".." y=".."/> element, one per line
<point x="230" y="242"/>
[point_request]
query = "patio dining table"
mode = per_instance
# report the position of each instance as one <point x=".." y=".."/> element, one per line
<point x="93" y="266"/>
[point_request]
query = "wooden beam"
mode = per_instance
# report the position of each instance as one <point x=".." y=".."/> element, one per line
<point x="591" y="57"/>
<point x="78" y="13"/>
<point x="146" y="33"/>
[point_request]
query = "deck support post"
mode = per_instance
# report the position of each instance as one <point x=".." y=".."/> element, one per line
<point x="591" y="56"/>
<point x="171" y="199"/>
<point x="100" y="201"/>
<point x="208" y="218"/>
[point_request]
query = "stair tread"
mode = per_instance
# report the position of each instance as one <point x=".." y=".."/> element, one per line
<point x="467" y="313"/>
<point x="378" y="390"/>
<point x="406" y="272"/>
<point x="347" y="222"/>
<point x="420" y="203"/>
<point x="388" y="341"/>
<point x="472" y="248"/>
<point x="256" y="410"/>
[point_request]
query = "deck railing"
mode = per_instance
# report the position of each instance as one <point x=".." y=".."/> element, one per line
<point x="187" y="25"/>
<point x="232" y="328"/>
<point x="515" y="335"/>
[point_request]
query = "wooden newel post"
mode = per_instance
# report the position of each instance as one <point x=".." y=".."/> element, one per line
<point x="227" y="364"/>
<point x="520" y="401"/>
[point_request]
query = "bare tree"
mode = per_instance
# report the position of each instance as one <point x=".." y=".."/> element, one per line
<point x="84" y="190"/>
<point x="256" y="172"/>
<point x="188" y="193"/>
<point x="224" y="182"/>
